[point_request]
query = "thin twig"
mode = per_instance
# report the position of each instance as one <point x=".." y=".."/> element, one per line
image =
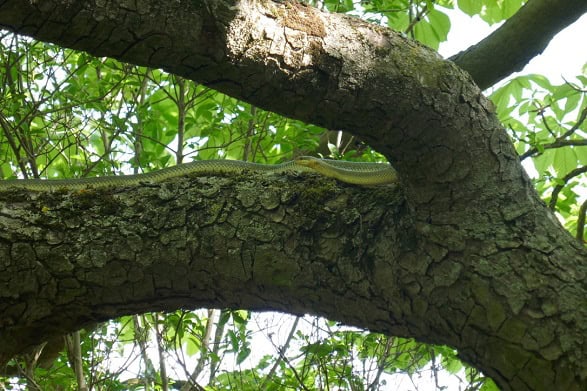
<point x="581" y="222"/>
<point x="557" y="189"/>
<point x="560" y="141"/>
<point x="282" y="351"/>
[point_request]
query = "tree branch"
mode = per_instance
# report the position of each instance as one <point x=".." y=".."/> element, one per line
<point x="581" y="222"/>
<point x="521" y="38"/>
<point x="558" y="143"/>
<point x="558" y="188"/>
<point x="466" y="255"/>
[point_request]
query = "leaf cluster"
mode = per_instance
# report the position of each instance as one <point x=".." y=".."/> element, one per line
<point x="548" y="125"/>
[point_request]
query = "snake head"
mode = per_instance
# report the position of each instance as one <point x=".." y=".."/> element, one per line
<point x="322" y="166"/>
<point x="307" y="161"/>
<point x="357" y="173"/>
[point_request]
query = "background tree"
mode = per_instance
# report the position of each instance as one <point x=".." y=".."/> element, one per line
<point x="67" y="114"/>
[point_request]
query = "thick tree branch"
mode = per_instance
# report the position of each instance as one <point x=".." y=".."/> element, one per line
<point x="521" y="38"/>
<point x="472" y="258"/>
<point x="301" y="244"/>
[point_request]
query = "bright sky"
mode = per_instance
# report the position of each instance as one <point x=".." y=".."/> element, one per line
<point x="563" y="57"/>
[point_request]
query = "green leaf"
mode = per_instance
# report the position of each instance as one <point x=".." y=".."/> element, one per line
<point x="495" y="11"/>
<point x="242" y="355"/>
<point x="504" y="95"/>
<point x="451" y="363"/>
<point x="564" y="160"/>
<point x="192" y="346"/>
<point x="240" y="317"/>
<point x="581" y="154"/>
<point x="319" y="349"/>
<point x="234" y="340"/>
<point x="341" y="6"/>
<point x="488" y="385"/>
<point x="224" y="318"/>
<point x="441" y="23"/>
<point x="398" y="21"/>
<point x="433" y="30"/>
<point x="470" y="7"/>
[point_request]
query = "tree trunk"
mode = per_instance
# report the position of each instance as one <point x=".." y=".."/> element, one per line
<point x="462" y="253"/>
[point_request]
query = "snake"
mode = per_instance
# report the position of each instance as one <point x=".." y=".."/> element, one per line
<point x="356" y="173"/>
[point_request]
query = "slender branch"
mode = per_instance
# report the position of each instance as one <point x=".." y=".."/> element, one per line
<point x="581" y="222"/>
<point x="140" y="331"/>
<point x="557" y="189"/>
<point x="216" y="346"/>
<point x="281" y="351"/>
<point x="518" y="40"/>
<point x="294" y="371"/>
<point x="74" y="351"/>
<point x="579" y="122"/>
<point x="6" y="127"/>
<point x="381" y="364"/>
<point x="138" y="129"/>
<point x="181" y="114"/>
<point x="556" y="144"/>
<point x="159" y="336"/>
<point x="204" y="351"/>
<point x="560" y="141"/>
<point x="251" y="124"/>
<point x="421" y="13"/>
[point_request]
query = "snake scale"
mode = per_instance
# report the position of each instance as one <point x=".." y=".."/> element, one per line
<point x="350" y="172"/>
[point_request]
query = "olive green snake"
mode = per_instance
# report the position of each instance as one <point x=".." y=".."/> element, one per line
<point x="357" y="173"/>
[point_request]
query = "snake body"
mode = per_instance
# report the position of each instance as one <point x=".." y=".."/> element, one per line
<point x="349" y="172"/>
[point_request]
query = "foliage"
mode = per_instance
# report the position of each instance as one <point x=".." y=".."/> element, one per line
<point x="421" y="20"/>
<point x="491" y="11"/>
<point x="548" y="125"/>
<point x="67" y="114"/>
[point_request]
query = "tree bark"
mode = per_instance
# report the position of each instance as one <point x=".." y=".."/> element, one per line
<point x="288" y="243"/>
<point x="465" y="255"/>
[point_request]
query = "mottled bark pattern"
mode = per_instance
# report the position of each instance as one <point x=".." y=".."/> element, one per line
<point x="297" y="244"/>
<point x="470" y="257"/>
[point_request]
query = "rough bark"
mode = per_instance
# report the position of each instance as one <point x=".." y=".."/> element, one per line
<point x="470" y="258"/>
<point x="526" y="35"/>
<point x="290" y="243"/>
